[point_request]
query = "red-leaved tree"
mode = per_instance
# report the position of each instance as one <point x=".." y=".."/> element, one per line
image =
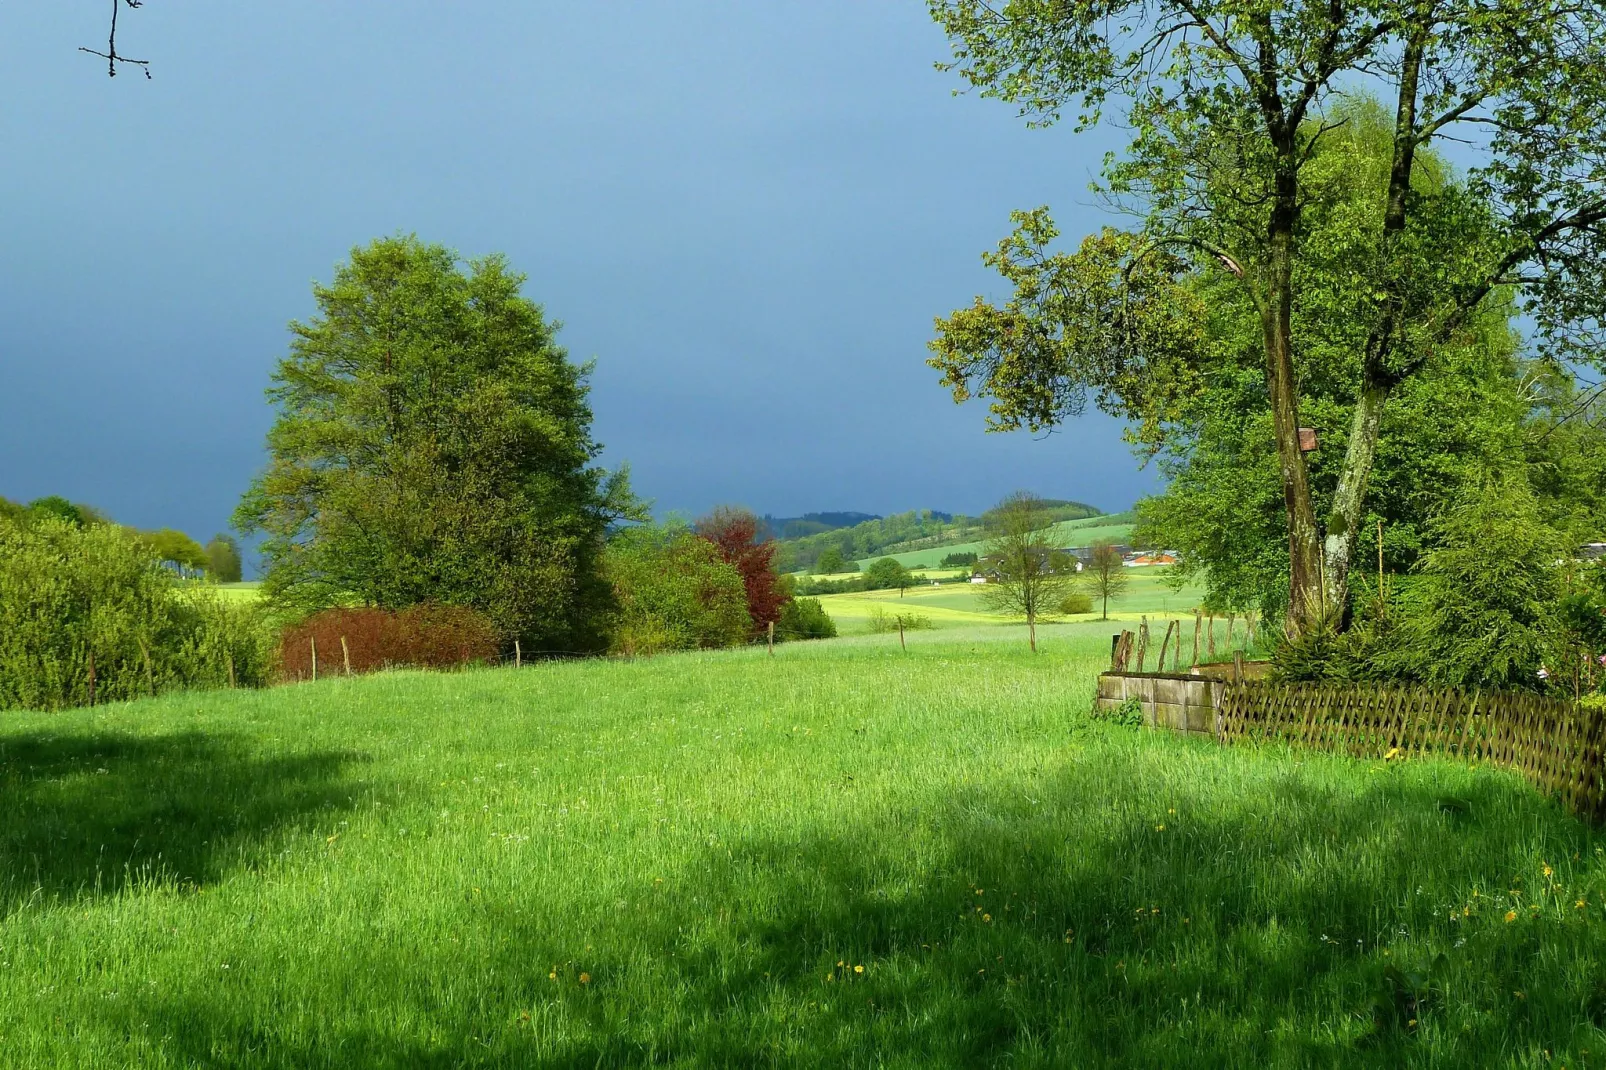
<point x="735" y="532"/>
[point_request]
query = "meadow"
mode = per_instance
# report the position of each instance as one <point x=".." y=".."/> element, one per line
<point x="951" y="605"/>
<point x="842" y="855"/>
<point x="1083" y="532"/>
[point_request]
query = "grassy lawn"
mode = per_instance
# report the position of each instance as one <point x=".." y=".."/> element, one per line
<point x="687" y="861"/>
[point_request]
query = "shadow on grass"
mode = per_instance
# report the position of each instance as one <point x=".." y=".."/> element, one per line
<point x="1309" y="920"/>
<point x="91" y="814"/>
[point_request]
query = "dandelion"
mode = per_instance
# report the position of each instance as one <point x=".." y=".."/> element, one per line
<point x="1548" y="871"/>
<point x="1159" y="828"/>
<point x="1511" y="915"/>
<point x="553" y="975"/>
<point x="1579" y="904"/>
<point x="585" y="978"/>
<point x="858" y="969"/>
<point x="987" y="917"/>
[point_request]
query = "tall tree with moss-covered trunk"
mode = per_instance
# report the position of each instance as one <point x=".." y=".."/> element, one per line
<point x="433" y="444"/>
<point x="1229" y="103"/>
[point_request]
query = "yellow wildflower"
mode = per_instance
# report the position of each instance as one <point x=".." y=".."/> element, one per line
<point x="858" y="969"/>
<point x="585" y="978"/>
<point x="1511" y="915"/>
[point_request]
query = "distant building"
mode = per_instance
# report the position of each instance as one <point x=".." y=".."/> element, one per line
<point x="1150" y="558"/>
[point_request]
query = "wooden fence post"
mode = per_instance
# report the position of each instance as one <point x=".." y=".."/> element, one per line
<point x="518" y="655"/>
<point x="901" y="643"/>
<point x="230" y="657"/>
<point x="345" y="655"/>
<point x="1210" y="650"/>
<point x="314" y="641"/>
<point x="1143" y="642"/>
<point x="1165" y="644"/>
<point x="772" y="635"/>
<point x="1198" y="621"/>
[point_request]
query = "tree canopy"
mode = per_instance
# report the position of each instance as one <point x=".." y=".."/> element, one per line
<point x="433" y="444"/>
<point x="1230" y="107"/>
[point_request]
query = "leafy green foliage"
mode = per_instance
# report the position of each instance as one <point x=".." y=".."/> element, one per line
<point x="1075" y="602"/>
<point x="1233" y="114"/>
<point x="433" y="444"/>
<point x="223" y="558"/>
<point x="1480" y="613"/>
<point x="960" y="560"/>
<point x="887" y="573"/>
<point x="673" y="591"/>
<point x="175" y="548"/>
<point x="83" y="603"/>
<point x="882" y="621"/>
<point x="804" y="618"/>
<point x="831" y="561"/>
<point x="1028" y="575"/>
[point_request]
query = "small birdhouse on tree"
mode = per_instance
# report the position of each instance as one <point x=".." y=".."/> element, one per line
<point x="1307" y="439"/>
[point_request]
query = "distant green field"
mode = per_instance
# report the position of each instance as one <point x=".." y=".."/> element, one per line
<point x="1067" y="533"/>
<point x="249" y="591"/>
<point x="955" y="605"/>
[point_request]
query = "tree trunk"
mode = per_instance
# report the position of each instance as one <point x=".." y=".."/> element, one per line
<point x="1304" y="539"/>
<point x="1031" y="630"/>
<point x="1377" y="381"/>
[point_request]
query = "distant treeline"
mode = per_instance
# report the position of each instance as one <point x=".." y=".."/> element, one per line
<point x="918" y="529"/>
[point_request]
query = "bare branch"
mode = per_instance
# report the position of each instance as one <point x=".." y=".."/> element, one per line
<point x="110" y="55"/>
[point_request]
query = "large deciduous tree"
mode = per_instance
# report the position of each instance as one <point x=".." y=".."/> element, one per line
<point x="1229" y="104"/>
<point x="433" y="444"/>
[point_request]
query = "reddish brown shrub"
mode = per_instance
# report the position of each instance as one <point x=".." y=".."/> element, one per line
<point x="427" y="636"/>
<point x="735" y="532"/>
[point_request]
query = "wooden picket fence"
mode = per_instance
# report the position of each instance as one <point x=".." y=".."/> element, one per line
<point x="1556" y="745"/>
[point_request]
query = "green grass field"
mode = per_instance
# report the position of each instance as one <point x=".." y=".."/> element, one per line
<point x="954" y="605"/>
<point x="840" y="856"/>
<point x="1067" y="533"/>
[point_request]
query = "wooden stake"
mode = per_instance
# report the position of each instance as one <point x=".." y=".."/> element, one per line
<point x="901" y="643"/>
<point x="518" y="655"/>
<point x="1165" y="644"/>
<point x="1380" y="603"/>
<point x="345" y="654"/>
<point x="314" y="641"/>
<point x="1210" y="649"/>
<point x="1198" y="624"/>
<point x="772" y="635"/>
<point x="1143" y="641"/>
<point x="230" y="657"/>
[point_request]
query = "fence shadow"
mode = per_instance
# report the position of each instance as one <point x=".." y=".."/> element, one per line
<point x="92" y="813"/>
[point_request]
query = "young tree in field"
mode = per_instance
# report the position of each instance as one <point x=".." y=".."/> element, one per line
<point x="735" y="532"/>
<point x="1104" y="576"/>
<point x="175" y="547"/>
<point x="223" y="559"/>
<point x="1228" y="105"/>
<point x="886" y="573"/>
<point x="433" y="444"/>
<point x="1032" y="578"/>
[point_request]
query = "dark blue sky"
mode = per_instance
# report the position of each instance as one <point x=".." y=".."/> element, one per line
<point x="747" y="212"/>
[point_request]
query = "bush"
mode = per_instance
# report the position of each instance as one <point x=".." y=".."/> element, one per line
<point x="425" y="637"/>
<point x="805" y="618"/>
<point x="882" y="622"/>
<point x="90" y="616"/>
<point x="674" y="591"/>
<point x="964" y="560"/>
<point x="1480" y="613"/>
<point x="1076" y="602"/>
